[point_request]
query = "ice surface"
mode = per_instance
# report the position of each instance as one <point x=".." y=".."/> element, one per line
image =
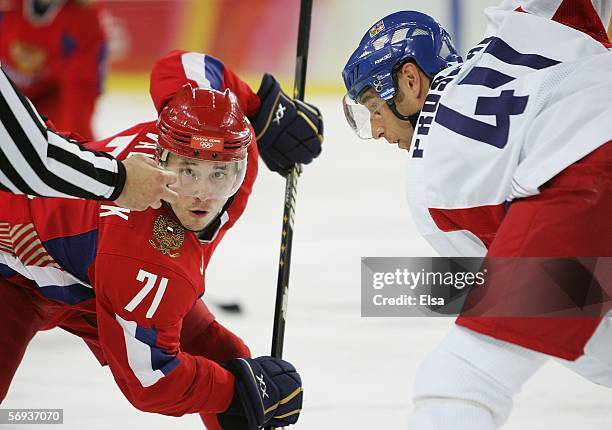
<point x="357" y="372"/>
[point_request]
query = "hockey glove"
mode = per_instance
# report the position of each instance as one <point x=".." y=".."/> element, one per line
<point x="288" y="131"/>
<point x="268" y="392"/>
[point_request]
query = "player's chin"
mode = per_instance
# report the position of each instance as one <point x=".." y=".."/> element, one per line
<point x="400" y="143"/>
<point x="196" y="220"/>
<point x="403" y="144"/>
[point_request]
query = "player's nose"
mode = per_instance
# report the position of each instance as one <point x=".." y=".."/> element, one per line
<point x="378" y="132"/>
<point x="200" y="198"/>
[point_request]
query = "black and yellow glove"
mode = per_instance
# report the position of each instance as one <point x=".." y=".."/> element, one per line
<point x="268" y="392"/>
<point x="288" y="131"/>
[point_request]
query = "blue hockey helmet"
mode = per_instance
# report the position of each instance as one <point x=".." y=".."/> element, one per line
<point x="397" y="37"/>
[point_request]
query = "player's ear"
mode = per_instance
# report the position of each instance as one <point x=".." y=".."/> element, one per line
<point x="410" y="79"/>
<point x="413" y="81"/>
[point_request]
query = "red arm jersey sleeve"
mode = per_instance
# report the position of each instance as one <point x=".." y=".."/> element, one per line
<point x="142" y="297"/>
<point x="181" y="67"/>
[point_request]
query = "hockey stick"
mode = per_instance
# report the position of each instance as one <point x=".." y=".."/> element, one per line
<point x="282" y="285"/>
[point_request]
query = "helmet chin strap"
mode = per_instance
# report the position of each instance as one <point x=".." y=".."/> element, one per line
<point x="412" y="119"/>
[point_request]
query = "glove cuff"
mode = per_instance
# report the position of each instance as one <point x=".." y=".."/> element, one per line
<point x="269" y="389"/>
<point x="268" y="84"/>
<point x="249" y="391"/>
<point x="269" y="94"/>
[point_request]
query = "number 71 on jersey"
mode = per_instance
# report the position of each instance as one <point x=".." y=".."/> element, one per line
<point x="151" y="281"/>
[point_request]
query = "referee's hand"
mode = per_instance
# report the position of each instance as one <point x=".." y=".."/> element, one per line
<point x="146" y="184"/>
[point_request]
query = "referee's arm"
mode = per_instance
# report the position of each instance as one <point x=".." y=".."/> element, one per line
<point x="40" y="162"/>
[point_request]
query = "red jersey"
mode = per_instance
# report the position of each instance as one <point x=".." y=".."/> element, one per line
<point x="57" y="60"/>
<point x="140" y="272"/>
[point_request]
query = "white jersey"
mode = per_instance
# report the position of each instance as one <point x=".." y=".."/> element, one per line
<point x="531" y="99"/>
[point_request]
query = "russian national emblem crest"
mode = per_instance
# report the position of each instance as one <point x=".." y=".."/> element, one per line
<point x="169" y="234"/>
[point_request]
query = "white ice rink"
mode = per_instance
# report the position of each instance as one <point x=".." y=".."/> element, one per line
<point x="357" y="372"/>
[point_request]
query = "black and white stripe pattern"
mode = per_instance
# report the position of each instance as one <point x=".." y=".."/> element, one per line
<point x="40" y="162"/>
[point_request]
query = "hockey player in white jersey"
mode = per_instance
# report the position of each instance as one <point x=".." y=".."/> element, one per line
<point x="509" y="155"/>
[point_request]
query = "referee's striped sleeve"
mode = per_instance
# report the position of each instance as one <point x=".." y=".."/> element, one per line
<point x="40" y="162"/>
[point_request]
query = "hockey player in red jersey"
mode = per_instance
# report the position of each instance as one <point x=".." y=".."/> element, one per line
<point x="129" y="283"/>
<point x="55" y="52"/>
<point x="509" y="155"/>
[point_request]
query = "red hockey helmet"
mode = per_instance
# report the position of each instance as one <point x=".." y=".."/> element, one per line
<point x="204" y="124"/>
<point x="207" y="130"/>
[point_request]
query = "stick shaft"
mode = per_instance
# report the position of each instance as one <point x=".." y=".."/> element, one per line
<point x="282" y="286"/>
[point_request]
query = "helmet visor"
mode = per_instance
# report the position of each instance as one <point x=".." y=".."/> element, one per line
<point x="206" y="179"/>
<point x="358" y="117"/>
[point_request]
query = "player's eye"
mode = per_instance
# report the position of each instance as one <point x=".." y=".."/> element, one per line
<point x="188" y="172"/>
<point x="374" y="109"/>
<point x="218" y="175"/>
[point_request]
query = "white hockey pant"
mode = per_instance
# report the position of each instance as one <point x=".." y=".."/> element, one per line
<point x="469" y="380"/>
